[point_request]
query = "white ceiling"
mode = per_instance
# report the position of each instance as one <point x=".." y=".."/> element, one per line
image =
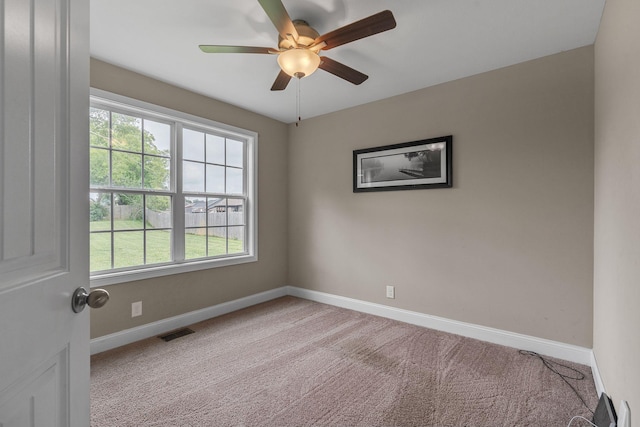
<point x="435" y="41"/>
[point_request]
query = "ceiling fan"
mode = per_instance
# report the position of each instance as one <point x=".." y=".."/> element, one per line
<point x="299" y="44"/>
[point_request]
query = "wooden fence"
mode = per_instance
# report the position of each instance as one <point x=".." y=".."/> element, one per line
<point x="195" y="223"/>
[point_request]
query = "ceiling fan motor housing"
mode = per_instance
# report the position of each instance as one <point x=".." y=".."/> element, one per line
<point x="306" y="35"/>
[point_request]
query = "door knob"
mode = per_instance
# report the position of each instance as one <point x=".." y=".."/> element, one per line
<point x="94" y="299"/>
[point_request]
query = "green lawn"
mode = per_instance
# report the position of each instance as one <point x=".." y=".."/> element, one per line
<point x="129" y="245"/>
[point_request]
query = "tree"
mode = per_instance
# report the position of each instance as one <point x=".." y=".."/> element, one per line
<point x="124" y="154"/>
<point x="130" y="146"/>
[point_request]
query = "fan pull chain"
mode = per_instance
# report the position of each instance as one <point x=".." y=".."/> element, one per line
<point x="298" y="103"/>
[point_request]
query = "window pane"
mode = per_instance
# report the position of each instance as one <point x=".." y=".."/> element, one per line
<point x="215" y="149"/>
<point x="192" y="177"/>
<point x="158" y="212"/>
<point x="196" y="205"/>
<point x="127" y="212"/>
<point x="158" y="246"/>
<point x="217" y="241"/>
<point x="235" y="151"/>
<point x="235" y="212"/>
<point x="126" y="170"/>
<point x="99" y="167"/>
<point x="195" y="243"/>
<point x="157" y="138"/>
<point x="128" y="249"/>
<point x="192" y="145"/>
<point x="217" y="212"/>
<point x="98" y="127"/>
<point x="215" y="179"/>
<point x="236" y="240"/>
<point x="234" y="181"/>
<point x="99" y="211"/>
<point x="126" y="132"/>
<point x="157" y="172"/>
<point x="100" y="251"/>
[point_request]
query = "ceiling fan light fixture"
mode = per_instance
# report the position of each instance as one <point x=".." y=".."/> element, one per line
<point x="299" y="62"/>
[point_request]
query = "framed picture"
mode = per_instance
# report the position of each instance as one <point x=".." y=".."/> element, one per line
<point x="407" y="166"/>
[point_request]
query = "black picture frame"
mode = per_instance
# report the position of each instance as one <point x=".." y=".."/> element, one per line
<point x="407" y="166"/>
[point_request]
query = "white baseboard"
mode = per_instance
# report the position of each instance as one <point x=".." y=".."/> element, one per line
<point x="597" y="379"/>
<point x="138" y="333"/>
<point x="542" y="346"/>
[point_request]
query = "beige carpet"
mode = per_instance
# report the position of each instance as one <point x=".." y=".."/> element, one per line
<point x="292" y="362"/>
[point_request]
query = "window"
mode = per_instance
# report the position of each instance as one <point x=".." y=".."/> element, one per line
<point x="169" y="192"/>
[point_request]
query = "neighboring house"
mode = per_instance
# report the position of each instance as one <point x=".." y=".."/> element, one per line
<point x="215" y="205"/>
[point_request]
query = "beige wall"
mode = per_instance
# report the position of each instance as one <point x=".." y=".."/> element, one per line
<point x="617" y="201"/>
<point x="173" y="295"/>
<point x="510" y="246"/>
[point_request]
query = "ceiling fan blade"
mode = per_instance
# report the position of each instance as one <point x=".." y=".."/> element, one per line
<point x="208" y="48"/>
<point x="281" y="81"/>
<point x="366" y="27"/>
<point x="338" y="69"/>
<point x="278" y="14"/>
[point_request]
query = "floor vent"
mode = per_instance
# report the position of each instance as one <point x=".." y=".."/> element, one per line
<point x="176" y="334"/>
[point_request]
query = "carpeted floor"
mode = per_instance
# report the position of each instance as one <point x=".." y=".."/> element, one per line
<point x="293" y="362"/>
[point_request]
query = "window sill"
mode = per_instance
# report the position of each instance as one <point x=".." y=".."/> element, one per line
<point x="166" y="270"/>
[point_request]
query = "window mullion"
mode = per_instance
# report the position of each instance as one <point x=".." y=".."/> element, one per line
<point x="144" y="222"/>
<point x="111" y="213"/>
<point x="178" y="199"/>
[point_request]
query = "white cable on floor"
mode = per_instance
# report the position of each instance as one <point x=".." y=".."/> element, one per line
<point x="580" y="417"/>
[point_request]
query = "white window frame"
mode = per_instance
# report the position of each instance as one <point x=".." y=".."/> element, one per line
<point x="120" y="102"/>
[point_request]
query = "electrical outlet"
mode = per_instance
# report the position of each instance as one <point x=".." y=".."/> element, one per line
<point x="624" y="420"/>
<point x="136" y="309"/>
<point x="391" y="292"/>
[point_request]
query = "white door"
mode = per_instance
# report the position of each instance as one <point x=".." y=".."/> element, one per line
<point x="44" y="95"/>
